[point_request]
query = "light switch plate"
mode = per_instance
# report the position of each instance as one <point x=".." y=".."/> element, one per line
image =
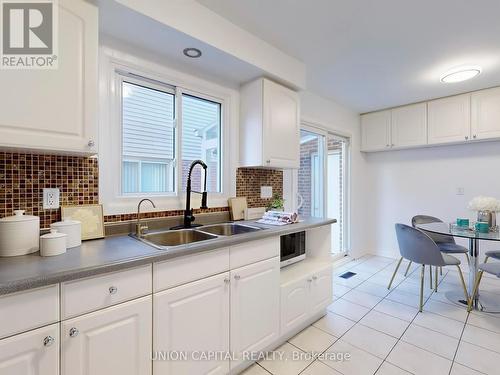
<point x="50" y="199"/>
<point x="460" y="191"/>
<point x="266" y="191"/>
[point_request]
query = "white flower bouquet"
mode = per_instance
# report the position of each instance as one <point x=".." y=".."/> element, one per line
<point x="482" y="203"/>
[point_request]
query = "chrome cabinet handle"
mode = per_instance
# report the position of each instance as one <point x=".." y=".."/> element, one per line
<point x="73" y="332"/>
<point x="466" y="137"/>
<point x="237" y="277"/>
<point x="315" y="277"/>
<point x="91" y="143"/>
<point x="48" y="341"/>
<point x="387" y="145"/>
<point x="268" y="161"/>
<point x="474" y="136"/>
<point x="113" y="290"/>
<point x="227" y="281"/>
<point x="309" y="280"/>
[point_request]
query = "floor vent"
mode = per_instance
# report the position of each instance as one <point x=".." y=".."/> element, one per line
<point x="347" y="275"/>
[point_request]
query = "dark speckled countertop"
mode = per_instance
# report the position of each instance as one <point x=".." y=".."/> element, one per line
<point x="115" y="253"/>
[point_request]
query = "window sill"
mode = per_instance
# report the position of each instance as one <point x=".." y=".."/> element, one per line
<point x="128" y="204"/>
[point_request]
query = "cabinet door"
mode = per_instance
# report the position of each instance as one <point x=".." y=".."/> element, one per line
<point x="193" y="318"/>
<point x="295" y="305"/>
<point x="33" y="352"/>
<point x="409" y="125"/>
<point x="321" y="290"/>
<point x="255" y="294"/>
<point x="485" y="114"/>
<point x="281" y="124"/>
<point x="116" y="340"/>
<point x="56" y="109"/>
<point x="376" y="131"/>
<point x="449" y="119"/>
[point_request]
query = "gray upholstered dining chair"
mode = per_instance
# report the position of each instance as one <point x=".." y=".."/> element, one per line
<point x="416" y="246"/>
<point x="491" y="268"/>
<point x="445" y="243"/>
<point x="495" y="254"/>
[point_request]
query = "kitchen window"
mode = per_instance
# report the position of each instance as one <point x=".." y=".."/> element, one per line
<point x="155" y="118"/>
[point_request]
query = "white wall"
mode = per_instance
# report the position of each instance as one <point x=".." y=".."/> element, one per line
<point x="335" y="117"/>
<point x="425" y="181"/>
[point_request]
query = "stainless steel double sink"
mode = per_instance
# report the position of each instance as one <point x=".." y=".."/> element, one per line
<point x="165" y="240"/>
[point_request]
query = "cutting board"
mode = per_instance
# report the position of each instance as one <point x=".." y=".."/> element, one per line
<point x="237" y="208"/>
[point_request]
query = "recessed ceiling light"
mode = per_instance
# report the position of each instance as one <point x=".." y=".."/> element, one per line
<point x="194" y="53"/>
<point x="460" y="74"/>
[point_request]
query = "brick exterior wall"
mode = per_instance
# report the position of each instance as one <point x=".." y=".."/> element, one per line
<point x="307" y="149"/>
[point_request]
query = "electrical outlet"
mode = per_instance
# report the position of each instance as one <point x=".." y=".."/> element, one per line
<point x="266" y="192"/>
<point x="460" y="191"/>
<point x="50" y="199"/>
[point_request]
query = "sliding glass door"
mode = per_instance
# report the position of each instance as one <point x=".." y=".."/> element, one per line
<point x="322" y="181"/>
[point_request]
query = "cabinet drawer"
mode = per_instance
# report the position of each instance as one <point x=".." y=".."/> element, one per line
<point x="81" y="296"/>
<point x="189" y="268"/>
<point x="30" y="309"/>
<point x="254" y="251"/>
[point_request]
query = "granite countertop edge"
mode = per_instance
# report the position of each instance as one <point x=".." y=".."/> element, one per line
<point x="72" y="265"/>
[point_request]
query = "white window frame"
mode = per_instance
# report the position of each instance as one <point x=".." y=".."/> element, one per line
<point x="115" y="63"/>
<point x="124" y="76"/>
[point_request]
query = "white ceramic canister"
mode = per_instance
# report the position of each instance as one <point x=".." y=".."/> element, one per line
<point x="53" y="243"/>
<point x="72" y="228"/>
<point x="19" y="234"/>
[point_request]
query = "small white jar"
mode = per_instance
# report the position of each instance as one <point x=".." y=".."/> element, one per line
<point x="19" y="234"/>
<point x="53" y="243"/>
<point x="72" y="228"/>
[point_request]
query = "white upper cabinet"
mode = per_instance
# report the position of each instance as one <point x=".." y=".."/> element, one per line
<point x="485" y="114"/>
<point x="270" y="125"/>
<point x="449" y="119"/>
<point x="56" y="110"/>
<point x="376" y="131"/>
<point x="409" y="125"/>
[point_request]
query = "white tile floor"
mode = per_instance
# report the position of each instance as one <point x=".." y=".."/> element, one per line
<point x="385" y="334"/>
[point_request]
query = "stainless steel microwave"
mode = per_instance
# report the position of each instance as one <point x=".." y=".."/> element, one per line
<point x="293" y="248"/>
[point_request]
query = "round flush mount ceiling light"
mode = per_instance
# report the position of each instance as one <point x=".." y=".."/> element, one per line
<point x="460" y="74"/>
<point x="193" y="53"/>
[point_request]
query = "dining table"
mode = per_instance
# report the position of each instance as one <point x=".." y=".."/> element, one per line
<point x="483" y="301"/>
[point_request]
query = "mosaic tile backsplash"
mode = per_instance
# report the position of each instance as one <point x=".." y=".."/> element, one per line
<point x="23" y="177"/>
<point x="249" y="181"/>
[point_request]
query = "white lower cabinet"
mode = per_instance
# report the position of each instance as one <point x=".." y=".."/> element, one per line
<point x="115" y="340"/>
<point x="33" y="352"/>
<point x="304" y="297"/>
<point x="321" y="290"/>
<point x="294" y="302"/>
<point x="254" y="307"/>
<point x="192" y="319"/>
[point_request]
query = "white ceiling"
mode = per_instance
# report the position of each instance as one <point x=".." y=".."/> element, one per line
<point x="118" y="23"/>
<point x="373" y="54"/>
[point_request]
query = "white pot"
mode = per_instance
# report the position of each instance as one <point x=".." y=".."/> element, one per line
<point x="19" y="234"/>
<point x="53" y="243"/>
<point x="72" y="228"/>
